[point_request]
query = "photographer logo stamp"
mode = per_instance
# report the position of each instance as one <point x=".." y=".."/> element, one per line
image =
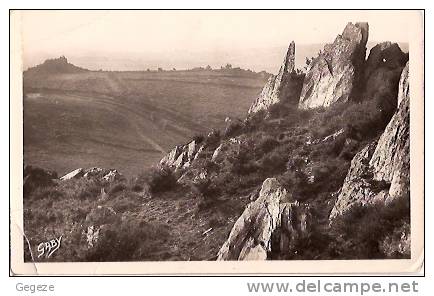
<point x="49" y="247"/>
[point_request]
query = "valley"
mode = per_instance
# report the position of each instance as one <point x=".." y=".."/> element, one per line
<point x="125" y="120"/>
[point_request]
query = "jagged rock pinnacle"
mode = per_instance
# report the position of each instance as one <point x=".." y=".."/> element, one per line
<point x="278" y="86"/>
<point x="333" y="75"/>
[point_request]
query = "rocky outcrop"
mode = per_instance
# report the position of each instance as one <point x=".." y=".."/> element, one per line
<point x="391" y="158"/>
<point x="380" y="172"/>
<point x="75" y="174"/>
<point x="281" y="87"/>
<point x="333" y="76"/>
<point x="268" y="225"/>
<point x="182" y="155"/>
<point x="109" y="175"/>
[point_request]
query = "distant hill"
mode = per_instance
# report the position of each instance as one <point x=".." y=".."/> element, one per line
<point x="55" y="66"/>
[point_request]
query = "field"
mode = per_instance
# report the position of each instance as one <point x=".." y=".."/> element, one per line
<point x="126" y="120"/>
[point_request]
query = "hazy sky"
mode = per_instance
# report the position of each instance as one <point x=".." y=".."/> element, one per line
<point x="182" y="35"/>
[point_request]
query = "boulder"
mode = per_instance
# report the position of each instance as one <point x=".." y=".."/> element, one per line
<point x="268" y="225"/>
<point x="102" y="174"/>
<point x="333" y="76"/>
<point x="284" y="86"/>
<point x="380" y="172"/>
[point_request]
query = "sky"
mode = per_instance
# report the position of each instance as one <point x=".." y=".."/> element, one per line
<point x="119" y="40"/>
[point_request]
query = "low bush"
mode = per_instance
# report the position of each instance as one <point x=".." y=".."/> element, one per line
<point x="129" y="240"/>
<point x="273" y="162"/>
<point x="358" y="232"/>
<point x="267" y="143"/>
<point x="198" y="138"/>
<point x="158" y="179"/>
<point x="117" y="187"/>
<point x="233" y="129"/>
<point x="213" y="139"/>
<point x="206" y="189"/>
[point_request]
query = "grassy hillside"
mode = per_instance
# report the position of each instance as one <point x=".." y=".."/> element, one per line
<point x="126" y="120"/>
<point x="156" y="216"/>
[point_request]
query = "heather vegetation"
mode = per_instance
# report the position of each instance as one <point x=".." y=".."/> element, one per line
<point x="184" y="207"/>
<point x="283" y="142"/>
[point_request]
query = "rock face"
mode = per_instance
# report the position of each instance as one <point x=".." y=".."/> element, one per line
<point x="281" y="87"/>
<point x="380" y="172"/>
<point x="391" y="158"/>
<point x="182" y="155"/>
<point x="333" y="76"/>
<point x="268" y="225"/>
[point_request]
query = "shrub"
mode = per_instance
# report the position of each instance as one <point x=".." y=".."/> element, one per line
<point x="267" y="144"/>
<point x="117" y="187"/>
<point x="213" y="139"/>
<point x="254" y="120"/>
<point x="206" y="188"/>
<point x="198" y="138"/>
<point x="129" y="240"/>
<point x="359" y="231"/>
<point x="92" y="190"/>
<point x="233" y="129"/>
<point x="125" y="204"/>
<point x="35" y="177"/>
<point x="274" y="162"/>
<point x="159" y="179"/>
<point x="50" y="193"/>
<point x="241" y="163"/>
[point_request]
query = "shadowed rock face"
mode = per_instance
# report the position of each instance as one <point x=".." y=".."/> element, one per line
<point x="384" y="55"/>
<point x="333" y="76"/>
<point x="269" y="224"/>
<point x="381" y="77"/>
<point x="381" y="171"/>
<point x="283" y="86"/>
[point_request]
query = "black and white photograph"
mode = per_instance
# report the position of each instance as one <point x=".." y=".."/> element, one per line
<point x="188" y="136"/>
